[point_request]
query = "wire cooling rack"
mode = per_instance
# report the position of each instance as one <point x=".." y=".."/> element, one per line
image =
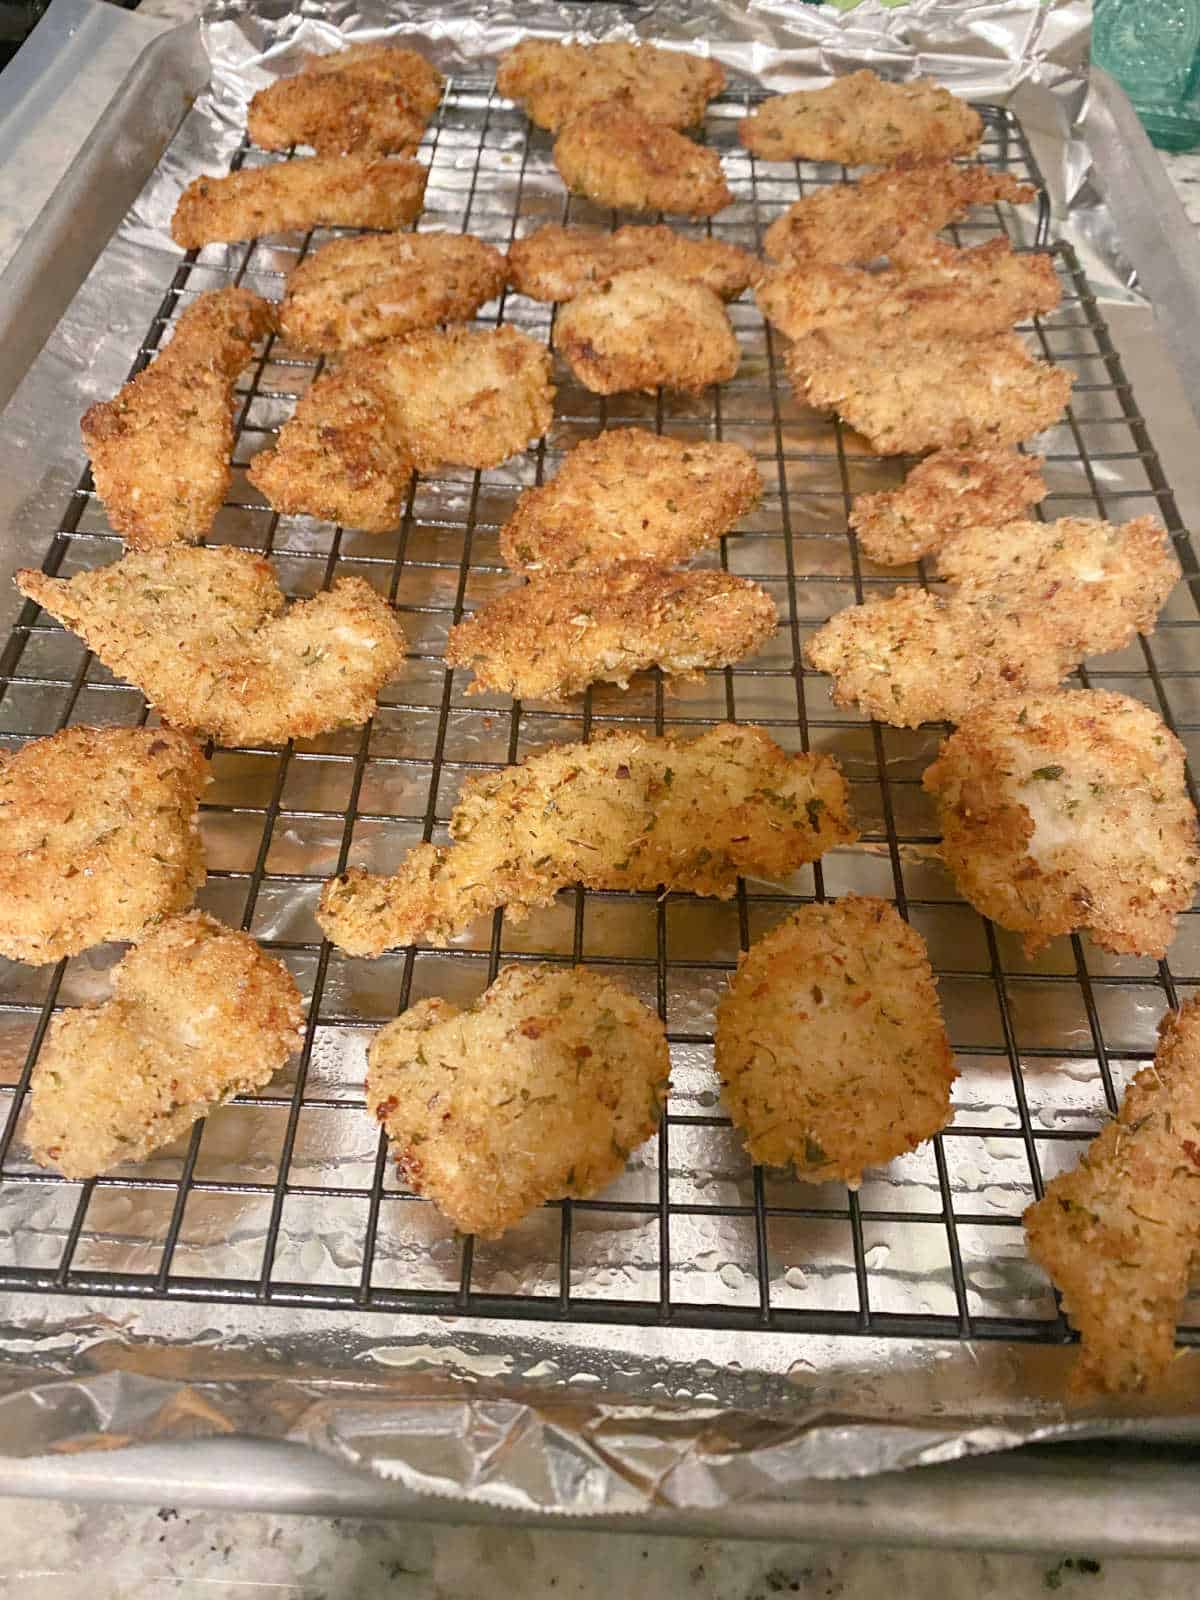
<point x="287" y="1196"/>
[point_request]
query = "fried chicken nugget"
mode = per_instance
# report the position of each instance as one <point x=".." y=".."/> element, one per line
<point x="335" y="113"/>
<point x="538" y="1092"/>
<point x="861" y="119"/>
<point x="907" y="395"/>
<point x="208" y="638"/>
<point x="357" y="291"/>
<point x="949" y="492"/>
<point x="558" y="81"/>
<point x="1032" y="600"/>
<point x="1068" y="811"/>
<point x="630" y="495"/>
<point x="98" y="835"/>
<point x="621" y="158"/>
<point x="406" y="72"/>
<point x="198" y="1014"/>
<point x="938" y="290"/>
<point x="857" y="222"/>
<point x="627" y="811"/>
<point x="560" y="632"/>
<point x="645" y="330"/>
<point x="1120" y="1235"/>
<point x="557" y="263"/>
<point x="160" y="447"/>
<point x="317" y="191"/>
<point x="831" y="1045"/>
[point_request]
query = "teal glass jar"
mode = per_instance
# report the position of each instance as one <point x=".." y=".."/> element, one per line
<point x="1152" y="48"/>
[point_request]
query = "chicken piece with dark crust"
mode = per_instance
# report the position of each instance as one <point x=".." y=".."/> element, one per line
<point x="619" y="158"/>
<point x="335" y="114"/>
<point x="558" y="80"/>
<point x="861" y="119"/>
<point x="646" y="330"/>
<point x="557" y="263"/>
<point x="943" y="496"/>
<point x="407" y="72"/>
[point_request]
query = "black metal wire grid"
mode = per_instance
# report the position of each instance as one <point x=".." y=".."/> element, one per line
<point x="287" y="1197"/>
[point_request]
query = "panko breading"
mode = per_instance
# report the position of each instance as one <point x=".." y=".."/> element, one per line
<point x="831" y="1045"/>
<point x="557" y="81"/>
<point x="208" y="638"/>
<point x="342" y="455"/>
<point x="620" y="158"/>
<point x="558" y="263"/>
<point x="862" y="120"/>
<point x="98" y="836"/>
<point x="561" y="631"/>
<point x="908" y="395"/>
<point x="627" y="811"/>
<point x="538" y="1092"/>
<point x="160" y="447"/>
<point x="941" y="290"/>
<point x="1068" y="811"/>
<point x="335" y="113"/>
<point x="358" y="291"/>
<point x="1032" y="599"/>
<point x="408" y="73"/>
<point x="316" y="191"/>
<point x="198" y="1014"/>
<point x="857" y="222"/>
<point x="1120" y="1235"/>
<point x="947" y="493"/>
<point x="645" y="330"/>
<point x="630" y="495"/>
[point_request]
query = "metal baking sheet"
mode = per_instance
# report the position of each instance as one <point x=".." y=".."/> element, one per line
<point x="705" y="1338"/>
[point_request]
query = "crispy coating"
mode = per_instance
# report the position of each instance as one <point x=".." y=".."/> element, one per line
<point x="908" y="395"/>
<point x="198" y="1014"/>
<point x="160" y="447"/>
<point x="558" y="263"/>
<point x="98" y="835"/>
<point x="357" y="291"/>
<point x="538" y="1092"/>
<point x="342" y="456"/>
<point x="406" y="72"/>
<point x="1030" y="601"/>
<point x="1068" y="811"/>
<point x="831" y="1045"/>
<point x="316" y="191"/>
<point x="1120" y="1235"/>
<point x="630" y="495"/>
<point x="947" y="493"/>
<point x="620" y="158"/>
<point x="562" y="631"/>
<point x="645" y="330"/>
<point x="336" y="114"/>
<point x="206" y="636"/>
<point x="558" y="81"/>
<point x="862" y="120"/>
<point x="910" y="202"/>
<point x="938" y="290"/>
<point x="626" y="811"/>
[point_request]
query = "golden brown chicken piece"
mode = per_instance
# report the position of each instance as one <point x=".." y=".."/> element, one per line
<point x="558" y="81"/>
<point x="949" y="492"/>
<point x="558" y="263"/>
<point x="861" y="119"/>
<point x="620" y="158"/>
<point x="160" y="447"/>
<point x="336" y="114"/>
<point x="627" y="811"/>
<point x="643" y="330"/>
<point x="406" y="72"/>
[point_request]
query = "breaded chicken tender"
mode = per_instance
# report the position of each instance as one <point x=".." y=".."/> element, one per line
<point x="208" y="638"/>
<point x="630" y="495"/>
<point x="1069" y="811"/>
<point x="645" y="330"/>
<point x="947" y="493"/>
<point x="198" y="1014"/>
<point x="1030" y="601"/>
<point x="831" y="1045"/>
<point x="1120" y="1235"/>
<point x="558" y="80"/>
<point x="317" y="191"/>
<point x="862" y="120"/>
<point x="562" y="631"/>
<point x="98" y="836"/>
<point x="342" y="456"/>
<point x="357" y="291"/>
<point x="907" y="203"/>
<point x="557" y="263"/>
<point x="406" y="72"/>
<point x="621" y="158"/>
<point x="907" y="395"/>
<point x="938" y="290"/>
<point x="538" y="1092"/>
<point x="336" y="114"/>
<point x="626" y="811"/>
<point x="160" y="447"/>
